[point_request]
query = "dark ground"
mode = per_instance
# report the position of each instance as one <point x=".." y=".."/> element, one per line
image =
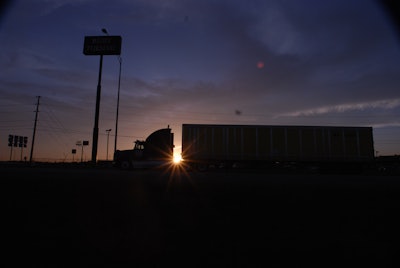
<point x="55" y="217"/>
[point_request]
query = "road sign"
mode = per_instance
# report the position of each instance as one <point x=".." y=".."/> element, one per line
<point x="10" y="140"/>
<point x="102" y="45"/>
<point x="20" y="141"/>
<point x="15" y="141"/>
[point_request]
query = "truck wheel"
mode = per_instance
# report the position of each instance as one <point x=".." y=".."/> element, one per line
<point x="125" y="165"/>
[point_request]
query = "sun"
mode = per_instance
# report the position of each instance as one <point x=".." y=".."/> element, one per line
<point x="177" y="158"/>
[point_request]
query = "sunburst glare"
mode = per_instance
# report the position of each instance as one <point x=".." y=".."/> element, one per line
<point x="177" y="158"/>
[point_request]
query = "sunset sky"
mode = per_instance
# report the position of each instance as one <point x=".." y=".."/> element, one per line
<point x="264" y="62"/>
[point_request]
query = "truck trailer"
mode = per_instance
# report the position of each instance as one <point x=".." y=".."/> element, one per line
<point x="204" y="145"/>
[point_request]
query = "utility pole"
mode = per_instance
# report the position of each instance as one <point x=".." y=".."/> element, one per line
<point x="34" y="127"/>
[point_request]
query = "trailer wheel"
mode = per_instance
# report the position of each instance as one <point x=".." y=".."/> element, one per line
<point x="125" y="165"/>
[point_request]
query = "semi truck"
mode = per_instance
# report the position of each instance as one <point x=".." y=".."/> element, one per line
<point x="211" y="145"/>
<point x="155" y="151"/>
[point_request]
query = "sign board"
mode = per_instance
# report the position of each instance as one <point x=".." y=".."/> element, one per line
<point x="17" y="141"/>
<point x="102" y="45"/>
<point x="85" y="143"/>
<point x="73" y="151"/>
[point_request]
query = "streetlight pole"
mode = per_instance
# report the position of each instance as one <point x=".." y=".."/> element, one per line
<point x="119" y="88"/>
<point x="116" y="120"/>
<point x="108" y="135"/>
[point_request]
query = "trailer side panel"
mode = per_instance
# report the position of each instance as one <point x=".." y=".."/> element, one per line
<point x="202" y="142"/>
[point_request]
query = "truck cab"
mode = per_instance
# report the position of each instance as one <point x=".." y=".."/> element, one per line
<point x="155" y="151"/>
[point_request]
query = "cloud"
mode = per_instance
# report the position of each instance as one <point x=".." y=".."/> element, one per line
<point x="342" y="108"/>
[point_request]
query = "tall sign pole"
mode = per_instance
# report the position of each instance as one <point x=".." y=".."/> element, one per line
<point x="100" y="45"/>
<point x="96" y="116"/>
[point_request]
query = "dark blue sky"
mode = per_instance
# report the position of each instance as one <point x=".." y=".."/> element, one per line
<point x="278" y="62"/>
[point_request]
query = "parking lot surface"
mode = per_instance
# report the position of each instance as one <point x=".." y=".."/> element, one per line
<point x="154" y="218"/>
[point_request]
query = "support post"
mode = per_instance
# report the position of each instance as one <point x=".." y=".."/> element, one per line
<point x="116" y="120"/>
<point x="11" y="152"/>
<point x="96" y="116"/>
